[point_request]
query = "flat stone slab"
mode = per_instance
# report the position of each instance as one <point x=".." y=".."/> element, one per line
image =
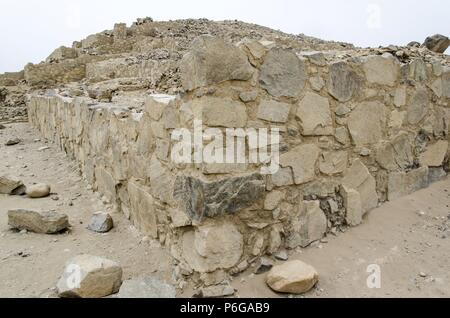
<point x="48" y="222"/>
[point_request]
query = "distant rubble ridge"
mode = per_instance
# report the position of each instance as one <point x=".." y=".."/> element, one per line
<point x="146" y="56"/>
<point x="146" y="35"/>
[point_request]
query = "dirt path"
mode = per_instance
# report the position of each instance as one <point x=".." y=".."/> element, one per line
<point x="405" y="238"/>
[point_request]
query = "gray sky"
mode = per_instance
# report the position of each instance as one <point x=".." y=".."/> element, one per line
<point x="31" y="30"/>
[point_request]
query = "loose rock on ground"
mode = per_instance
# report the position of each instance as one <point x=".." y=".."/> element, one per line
<point x="87" y="276"/>
<point x="294" y="277"/>
<point x="48" y="222"/>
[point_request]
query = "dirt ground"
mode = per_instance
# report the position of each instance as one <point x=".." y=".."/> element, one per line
<point x="408" y="239"/>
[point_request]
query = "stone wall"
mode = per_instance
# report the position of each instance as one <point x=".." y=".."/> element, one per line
<point x="356" y="130"/>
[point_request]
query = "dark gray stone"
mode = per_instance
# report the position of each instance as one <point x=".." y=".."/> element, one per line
<point x="437" y="43"/>
<point x="343" y="82"/>
<point x="201" y="199"/>
<point x="101" y="222"/>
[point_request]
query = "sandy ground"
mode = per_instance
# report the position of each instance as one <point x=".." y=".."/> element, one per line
<point x="408" y="239"/>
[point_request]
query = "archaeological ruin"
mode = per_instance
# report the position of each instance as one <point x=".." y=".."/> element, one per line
<point x="358" y="127"/>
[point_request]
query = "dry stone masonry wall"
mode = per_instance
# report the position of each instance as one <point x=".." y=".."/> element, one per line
<point x="358" y="128"/>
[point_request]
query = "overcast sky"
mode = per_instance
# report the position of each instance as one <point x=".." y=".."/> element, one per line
<point x="31" y="30"/>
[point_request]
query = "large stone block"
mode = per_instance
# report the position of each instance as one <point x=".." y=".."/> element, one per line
<point x="211" y="61"/>
<point x="161" y="180"/>
<point x="142" y="212"/>
<point x="358" y="177"/>
<point x="220" y="112"/>
<point x="381" y="70"/>
<point x="313" y="223"/>
<point x="201" y="199"/>
<point x="367" y="122"/>
<point x="396" y="154"/>
<point x="106" y="183"/>
<point x="435" y="154"/>
<point x="404" y="183"/>
<point x="314" y="115"/>
<point x="212" y="246"/>
<point x="332" y="163"/>
<point x="437" y="43"/>
<point x="302" y="160"/>
<point x="47" y="222"/>
<point x="418" y="106"/>
<point x="343" y="82"/>
<point x="282" y="73"/>
<point x="446" y="83"/>
<point x="274" y="111"/>
<point x="88" y="276"/>
<point x="353" y="206"/>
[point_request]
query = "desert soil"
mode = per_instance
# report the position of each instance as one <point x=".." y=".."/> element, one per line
<point x="409" y="239"/>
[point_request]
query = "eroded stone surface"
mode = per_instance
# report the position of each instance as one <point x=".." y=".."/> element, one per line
<point x="352" y="204"/>
<point x="47" y="222"/>
<point x="418" y="106"/>
<point x="358" y="177"/>
<point x="381" y="70"/>
<point x="146" y="287"/>
<point x="343" y="82"/>
<point x="435" y="154"/>
<point x="9" y="184"/>
<point x="39" y="190"/>
<point x="212" y="60"/>
<point x="282" y="73"/>
<point x="274" y="111"/>
<point x="366" y="123"/>
<point x="202" y="199"/>
<point x="332" y="163"/>
<point x="101" y="222"/>
<point x="213" y="246"/>
<point x="403" y="183"/>
<point x="396" y="154"/>
<point x="302" y="160"/>
<point x="314" y="115"/>
<point x="220" y="112"/>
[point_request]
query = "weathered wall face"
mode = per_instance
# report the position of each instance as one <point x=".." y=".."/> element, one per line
<point x="355" y="131"/>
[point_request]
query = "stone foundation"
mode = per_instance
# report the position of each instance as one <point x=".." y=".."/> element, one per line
<point x="356" y="131"/>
